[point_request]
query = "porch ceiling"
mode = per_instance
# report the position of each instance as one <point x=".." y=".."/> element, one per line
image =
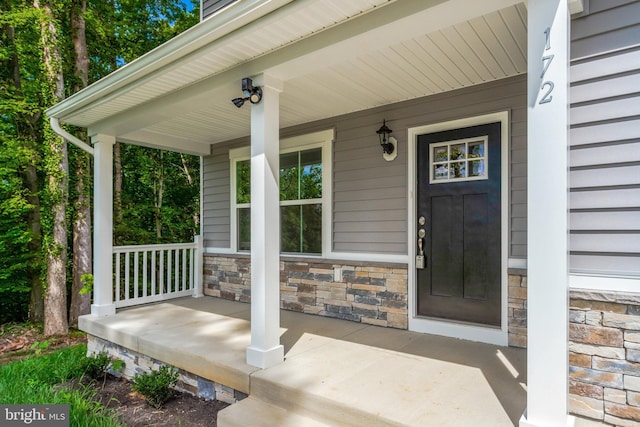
<point x="334" y="57"/>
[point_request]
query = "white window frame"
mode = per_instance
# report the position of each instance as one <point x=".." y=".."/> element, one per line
<point x="322" y="139"/>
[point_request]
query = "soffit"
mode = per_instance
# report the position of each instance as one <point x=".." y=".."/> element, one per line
<point x="189" y="99"/>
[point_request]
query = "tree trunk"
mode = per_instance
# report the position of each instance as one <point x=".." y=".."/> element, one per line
<point x="80" y="303"/>
<point x="57" y="165"/>
<point x="117" y="183"/>
<point x="30" y="177"/>
<point x="36" y="303"/>
<point x="158" y="194"/>
<point x="187" y="173"/>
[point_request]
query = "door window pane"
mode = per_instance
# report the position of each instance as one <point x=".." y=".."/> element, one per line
<point x="459" y="160"/>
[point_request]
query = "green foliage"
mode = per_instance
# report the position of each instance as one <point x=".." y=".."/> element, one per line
<point x="156" y="386"/>
<point x="34" y="380"/>
<point x="96" y="366"/>
<point x="87" y="284"/>
<point x="157" y="196"/>
<point x="40" y="346"/>
<point x="30" y="153"/>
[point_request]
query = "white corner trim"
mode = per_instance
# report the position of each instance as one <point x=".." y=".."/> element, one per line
<point x="517" y="263"/>
<point x="372" y="257"/>
<point x="604" y="283"/>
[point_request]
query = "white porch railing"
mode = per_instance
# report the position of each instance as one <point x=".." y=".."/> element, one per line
<point x="150" y="273"/>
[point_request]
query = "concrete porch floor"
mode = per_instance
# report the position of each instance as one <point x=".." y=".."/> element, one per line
<point x="336" y="372"/>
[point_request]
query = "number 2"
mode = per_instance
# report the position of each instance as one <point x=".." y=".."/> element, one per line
<point x="547" y="95"/>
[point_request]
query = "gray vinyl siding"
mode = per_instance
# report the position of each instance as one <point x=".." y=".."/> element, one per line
<point x="216" y="195"/>
<point x="209" y="7"/>
<point x="605" y="139"/>
<point x="369" y="196"/>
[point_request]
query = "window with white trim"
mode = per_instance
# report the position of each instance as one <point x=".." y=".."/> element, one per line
<point x="304" y="194"/>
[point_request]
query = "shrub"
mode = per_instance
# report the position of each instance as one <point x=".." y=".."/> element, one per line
<point x="156" y="386"/>
<point x="96" y="366"/>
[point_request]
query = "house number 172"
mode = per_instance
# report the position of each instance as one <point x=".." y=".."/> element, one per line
<point x="547" y="86"/>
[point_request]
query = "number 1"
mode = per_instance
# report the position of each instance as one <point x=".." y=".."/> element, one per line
<point x="547" y="34"/>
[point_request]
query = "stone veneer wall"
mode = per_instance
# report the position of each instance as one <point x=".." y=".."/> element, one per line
<point x="136" y="363"/>
<point x="517" y="309"/>
<point x="372" y="293"/>
<point x="368" y="292"/>
<point x="604" y="356"/>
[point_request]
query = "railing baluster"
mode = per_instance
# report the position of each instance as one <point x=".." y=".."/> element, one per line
<point x="159" y="272"/>
<point x="118" y="274"/>
<point x="136" y="272"/>
<point x="126" y="275"/>
<point x="145" y="272"/>
<point x="176" y="271"/>
<point x="154" y="254"/>
<point x="191" y="268"/>
<point x="167" y="271"/>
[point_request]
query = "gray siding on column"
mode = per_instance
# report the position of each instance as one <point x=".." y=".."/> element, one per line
<point x="605" y="139"/>
<point x="209" y="7"/>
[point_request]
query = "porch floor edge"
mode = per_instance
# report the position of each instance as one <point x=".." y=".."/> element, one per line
<point x="361" y="372"/>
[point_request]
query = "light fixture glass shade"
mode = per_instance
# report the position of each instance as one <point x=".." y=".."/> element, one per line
<point x="384" y="133"/>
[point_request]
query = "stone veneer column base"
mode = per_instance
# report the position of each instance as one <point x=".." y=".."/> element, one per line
<point x="604" y="356"/>
<point x="136" y="363"/>
<point x="517" y="309"/>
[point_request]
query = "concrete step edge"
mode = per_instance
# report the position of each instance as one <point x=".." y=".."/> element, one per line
<point x="322" y="408"/>
<point x="255" y="412"/>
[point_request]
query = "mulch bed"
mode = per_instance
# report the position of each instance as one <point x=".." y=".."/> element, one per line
<point x="133" y="410"/>
<point x="21" y="341"/>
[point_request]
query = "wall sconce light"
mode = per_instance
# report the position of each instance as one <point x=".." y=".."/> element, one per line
<point x="251" y="93"/>
<point x="388" y="143"/>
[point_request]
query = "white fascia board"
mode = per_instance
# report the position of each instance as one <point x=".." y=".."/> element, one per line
<point x="229" y="19"/>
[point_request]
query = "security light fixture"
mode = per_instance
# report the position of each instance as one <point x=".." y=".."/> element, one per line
<point x="251" y="93"/>
<point x="384" y="133"/>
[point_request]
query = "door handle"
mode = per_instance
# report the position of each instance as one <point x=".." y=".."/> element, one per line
<point x="420" y="260"/>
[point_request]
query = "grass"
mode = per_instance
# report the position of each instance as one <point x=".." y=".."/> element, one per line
<point x="33" y="381"/>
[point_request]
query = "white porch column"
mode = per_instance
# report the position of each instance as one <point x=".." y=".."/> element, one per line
<point x="265" y="349"/>
<point x="547" y="244"/>
<point x="103" y="226"/>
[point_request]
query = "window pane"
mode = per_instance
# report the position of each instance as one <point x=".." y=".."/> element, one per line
<point x="312" y="229"/>
<point x="289" y="176"/>
<point x="244" y="229"/>
<point x="301" y="229"/>
<point x="311" y="174"/>
<point x="290" y="218"/>
<point x="243" y="181"/>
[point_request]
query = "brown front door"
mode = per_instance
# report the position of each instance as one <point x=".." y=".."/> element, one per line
<point x="459" y="210"/>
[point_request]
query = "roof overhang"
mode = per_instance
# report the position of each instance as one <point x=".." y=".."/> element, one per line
<point x="333" y="56"/>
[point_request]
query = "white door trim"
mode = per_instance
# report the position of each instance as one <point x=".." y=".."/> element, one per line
<point x="492" y="335"/>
